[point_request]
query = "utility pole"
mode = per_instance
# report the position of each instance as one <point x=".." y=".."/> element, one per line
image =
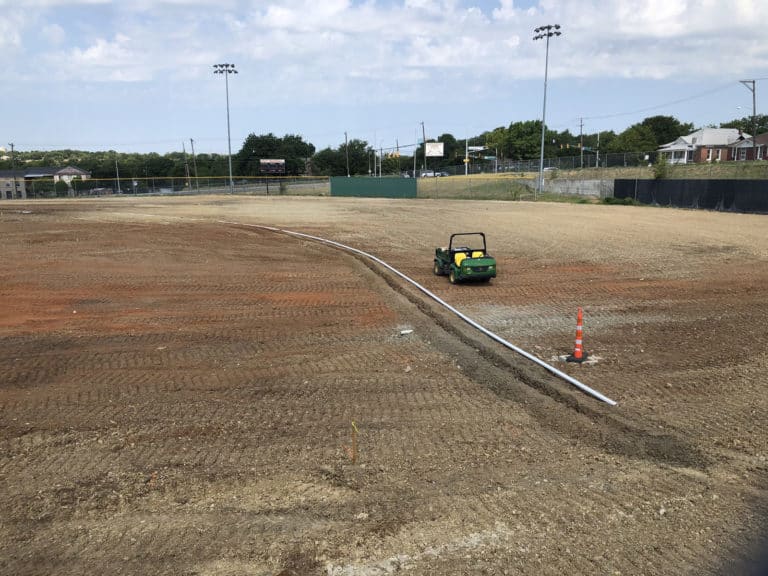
<point x="581" y="140"/>
<point x="424" y="139"/>
<point x="597" y="152"/>
<point x="346" y="151"/>
<point x="397" y="147"/>
<point x="750" y="84"/>
<point x="194" y="165"/>
<point x="117" y="174"/>
<point x="186" y="165"/>
<point x="13" y="171"/>
<point x="466" y="156"/>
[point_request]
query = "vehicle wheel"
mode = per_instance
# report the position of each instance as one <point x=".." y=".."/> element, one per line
<point x="452" y="277"/>
<point x="437" y="270"/>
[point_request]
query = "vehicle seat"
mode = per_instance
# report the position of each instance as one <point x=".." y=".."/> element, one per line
<point x="478" y="254"/>
<point x="459" y="257"/>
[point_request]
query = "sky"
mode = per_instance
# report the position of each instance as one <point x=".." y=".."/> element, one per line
<point x="137" y="75"/>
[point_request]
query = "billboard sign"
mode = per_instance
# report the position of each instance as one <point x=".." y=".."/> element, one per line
<point x="272" y="166"/>
<point x="435" y="149"/>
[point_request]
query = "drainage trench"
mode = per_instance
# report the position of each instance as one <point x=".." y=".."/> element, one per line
<point x="560" y="374"/>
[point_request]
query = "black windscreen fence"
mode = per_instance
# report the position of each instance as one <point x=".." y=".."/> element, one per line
<point x="727" y="195"/>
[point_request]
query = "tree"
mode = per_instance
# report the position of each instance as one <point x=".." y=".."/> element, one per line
<point x="290" y="148"/>
<point x="255" y="148"/>
<point x="61" y="188"/>
<point x="497" y="139"/>
<point x="330" y="162"/>
<point x="636" y="138"/>
<point x="745" y="124"/>
<point x="295" y="152"/>
<point x="358" y="156"/>
<point x="523" y="140"/>
<point x="666" y="129"/>
<point x="648" y="135"/>
<point x="451" y="151"/>
<point x="566" y="144"/>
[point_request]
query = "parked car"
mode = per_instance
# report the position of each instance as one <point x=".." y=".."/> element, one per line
<point x="428" y="174"/>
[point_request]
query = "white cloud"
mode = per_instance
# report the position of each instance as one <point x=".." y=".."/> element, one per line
<point x="117" y="60"/>
<point x="54" y="34"/>
<point x="342" y="44"/>
<point x="507" y="12"/>
<point x="11" y="25"/>
<point x="45" y="4"/>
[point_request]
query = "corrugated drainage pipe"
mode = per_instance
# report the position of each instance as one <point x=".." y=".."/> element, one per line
<point x="467" y="319"/>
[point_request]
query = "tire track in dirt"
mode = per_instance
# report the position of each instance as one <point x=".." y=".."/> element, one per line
<point x="638" y="438"/>
<point x="449" y="450"/>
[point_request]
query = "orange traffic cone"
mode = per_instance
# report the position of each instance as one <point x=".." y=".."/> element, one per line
<point x="578" y="350"/>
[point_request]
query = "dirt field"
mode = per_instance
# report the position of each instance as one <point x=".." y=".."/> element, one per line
<point x="177" y="390"/>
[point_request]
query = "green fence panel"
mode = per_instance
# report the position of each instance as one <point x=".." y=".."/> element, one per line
<point x="367" y="187"/>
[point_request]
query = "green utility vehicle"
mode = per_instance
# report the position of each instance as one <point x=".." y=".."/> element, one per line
<point x="463" y="263"/>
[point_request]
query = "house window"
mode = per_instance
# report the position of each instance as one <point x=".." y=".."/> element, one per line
<point x="719" y="154"/>
<point x="709" y="154"/>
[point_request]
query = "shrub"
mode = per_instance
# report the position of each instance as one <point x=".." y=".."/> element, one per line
<point x="62" y="188"/>
<point x="661" y="167"/>
<point x="620" y="201"/>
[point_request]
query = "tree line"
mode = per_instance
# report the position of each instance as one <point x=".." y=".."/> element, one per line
<point x="518" y="141"/>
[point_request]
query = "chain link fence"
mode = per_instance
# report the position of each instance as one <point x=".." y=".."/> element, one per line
<point x="562" y="175"/>
<point x="258" y="186"/>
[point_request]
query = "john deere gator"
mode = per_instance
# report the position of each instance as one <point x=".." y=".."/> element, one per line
<point x="464" y="262"/>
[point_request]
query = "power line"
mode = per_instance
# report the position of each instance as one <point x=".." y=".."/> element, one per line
<point x="664" y="105"/>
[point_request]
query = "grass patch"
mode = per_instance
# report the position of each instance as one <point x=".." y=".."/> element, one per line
<point x="474" y="187"/>
<point x="567" y="198"/>
<point x="714" y="170"/>
<point x="621" y="201"/>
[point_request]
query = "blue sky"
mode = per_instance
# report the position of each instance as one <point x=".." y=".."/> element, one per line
<point x="136" y="75"/>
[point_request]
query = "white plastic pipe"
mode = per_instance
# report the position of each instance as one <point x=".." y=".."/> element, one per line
<point x="467" y="319"/>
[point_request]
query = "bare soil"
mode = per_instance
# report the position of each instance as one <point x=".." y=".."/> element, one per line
<point x="178" y="390"/>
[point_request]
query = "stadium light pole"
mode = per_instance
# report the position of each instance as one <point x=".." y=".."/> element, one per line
<point x="544" y="32"/>
<point x="226" y="70"/>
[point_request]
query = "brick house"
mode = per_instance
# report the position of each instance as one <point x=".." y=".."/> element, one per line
<point x="705" y="145"/>
<point x="751" y="148"/>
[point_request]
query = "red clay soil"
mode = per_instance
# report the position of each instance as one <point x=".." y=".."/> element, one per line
<point x="178" y="390"/>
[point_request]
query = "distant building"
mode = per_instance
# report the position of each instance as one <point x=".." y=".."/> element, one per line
<point x="751" y="148"/>
<point x="16" y="183"/>
<point x="12" y="184"/>
<point x="705" y="145"/>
